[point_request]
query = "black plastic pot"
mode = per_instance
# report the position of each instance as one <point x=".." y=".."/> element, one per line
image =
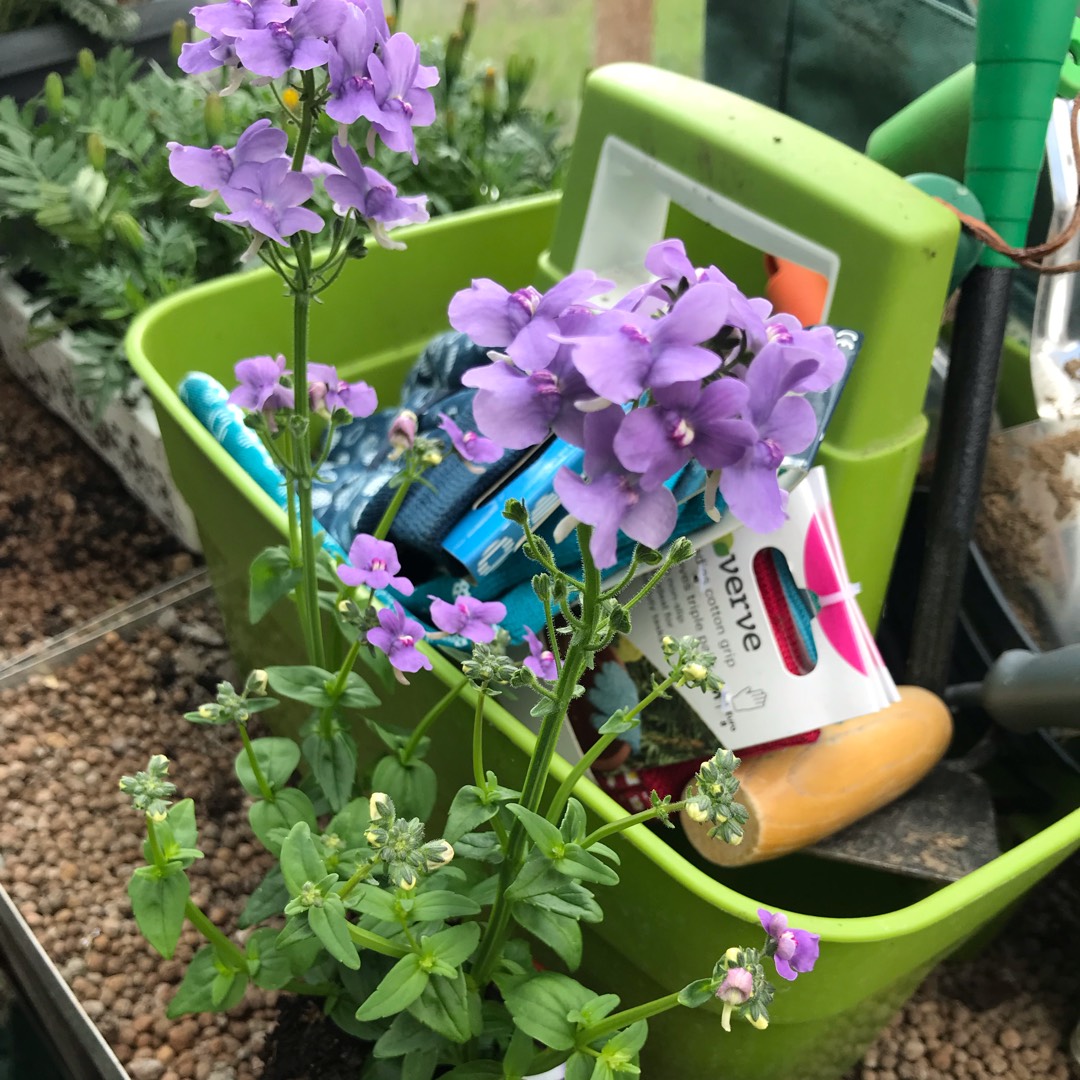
<point x="27" y="56"/>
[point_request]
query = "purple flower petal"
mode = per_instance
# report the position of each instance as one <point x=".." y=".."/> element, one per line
<point x="397" y="636"/>
<point x="470" y="445"/>
<point x="541" y="660"/>
<point x="374" y="563"/>
<point x="468" y="617"/>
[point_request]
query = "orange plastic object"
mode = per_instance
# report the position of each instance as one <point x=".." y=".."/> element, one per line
<point x="801" y="794"/>
<point x="794" y="289"/>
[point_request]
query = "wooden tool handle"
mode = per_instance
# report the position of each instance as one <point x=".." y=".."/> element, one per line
<point x="801" y="794"/>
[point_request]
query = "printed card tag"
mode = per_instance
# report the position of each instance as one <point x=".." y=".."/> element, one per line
<point x="803" y="659"/>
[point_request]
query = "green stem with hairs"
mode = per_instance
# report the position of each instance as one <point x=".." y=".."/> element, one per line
<point x="228" y="951"/>
<point x="578" y="656"/>
<point x="409" y="749"/>
<point x="617" y="1021"/>
<point x="598" y="747"/>
<point x="390" y="512"/>
<point x="634" y="819"/>
<point x="363" y="871"/>
<point x="155" y="848"/>
<point x="265" y="789"/>
<point x="478" y="737"/>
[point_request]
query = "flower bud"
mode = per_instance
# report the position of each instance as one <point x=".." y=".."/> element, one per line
<point x="519" y="76"/>
<point x="681" y="550"/>
<point x="760" y="1022"/>
<point x="487" y="98"/>
<point x="455" y="55"/>
<point x="214" y="116"/>
<point x="737" y="987"/>
<point x="95" y="151"/>
<point x="178" y="38"/>
<point x="54" y="93"/>
<point x="541" y="584"/>
<point x="87" y="63"/>
<point x="127" y="229"/>
<point x="257" y="683"/>
<point x="402" y="433"/>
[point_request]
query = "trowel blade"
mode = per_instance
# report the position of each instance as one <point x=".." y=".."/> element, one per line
<point x="940" y="830"/>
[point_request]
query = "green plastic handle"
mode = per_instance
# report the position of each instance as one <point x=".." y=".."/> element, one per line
<point x="1019" y="51"/>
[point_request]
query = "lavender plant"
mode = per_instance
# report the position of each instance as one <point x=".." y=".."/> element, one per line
<point x="417" y="935"/>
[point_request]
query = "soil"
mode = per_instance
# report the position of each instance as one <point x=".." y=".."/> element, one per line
<point x="73" y="542"/>
<point x="1009" y="536"/>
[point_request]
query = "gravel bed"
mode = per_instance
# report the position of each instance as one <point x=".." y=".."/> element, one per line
<point x="69" y="840"/>
<point x="73" y="542"/>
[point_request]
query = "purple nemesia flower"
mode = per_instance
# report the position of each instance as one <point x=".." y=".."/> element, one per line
<point x="213" y="169"/>
<point x="518" y="408"/>
<point x="613" y="498"/>
<point x="468" y="444"/>
<point x="197" y="57"/>
<point x="352" y="93"/>
<point x="224" y="22"/>
<point x="796" y="950"/>
<point x="541" y="660"/>
<point x="374" y="563"/>
<point x="372" y="196"/>
<point x="400" y="83"/>
<point x="267" y="197"/>
<point x="298" y="44"/>
<point x="685" y="421"/>
<point x="471" y="618"/>
<point x="259" y="386"/>
<point x="737" y="987"/>
<point x="813" y="353"/>
<point x="397" y="635"/>
<point x="626" y="351"/>
<point x="324" y="384"/>
<point x="524" y="321"/>
<point x="785" y="425"/>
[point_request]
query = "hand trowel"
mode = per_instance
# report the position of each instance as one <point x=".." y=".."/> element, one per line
<point x="1031" y="533"/>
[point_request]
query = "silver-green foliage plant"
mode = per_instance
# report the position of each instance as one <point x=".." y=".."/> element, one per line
<point x="107" y="19"/>
<point x="93" y="224"/>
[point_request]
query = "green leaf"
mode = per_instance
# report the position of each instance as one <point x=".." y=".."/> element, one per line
<point x="181" y="819"/>
<point x="277" y="758"/>
<point x="420" y="1065"/>
<point x="351" y="822"/>
<point x="592" y="1012"/>
<point x="402" y="985"/>
<point x="453" y="946"/>
<point x="376" y="902"/>
<point x="445" y="1007"/>
<point x="333" y="762"/>
<point x="442" y="904"/>
<point x="302" y="682"/>
<point x="483" y="847"/>
<point x="357" y="693"/>
<point x="413" y="787"/>
<point x="475" y="1070"/>
<point x="577" y="863"/>
<point x="296" y="932"/>
<point x="468" y="810"/>
<point x="332" y="929"/>
<point x="542" y="833"/>
<point x="579" y="1067"/>
<point x="537" y="876"/>
<point x="270" y="967"/>
<point x="196" y="993"/>
<point x="289" y="808"/>
<point x="569" y="898"/>
<point x="541" y="1004"/>
<point x="573" y="825"/>
<point x="272" y="577"/>
<point x="559" y="933"/>
<point x="157" y="902"/>
<point x="269" y="898"/>
<point x="222" y="984"/>
<point x="628" y="1041"/>
<point x="697" y="993"/>
<point x="394" y="737"/>
<point x="519" y="1054"/>
<point x="344" y="1015"/>
<point x="405" y="1035"/>
<point x="300" y="860"/>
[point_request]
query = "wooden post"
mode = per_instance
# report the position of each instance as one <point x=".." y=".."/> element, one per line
<point x="623" y="30"/>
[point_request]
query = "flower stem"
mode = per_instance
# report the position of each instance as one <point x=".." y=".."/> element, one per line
<point x="409" y="749"/>
<point x="577" y="657"/>
<point x="390" y="512"/>
<point x="155" y="848"/>
<point x="478" y="737"/>
<point x="362" y="871"/>
<point x="597" y="748"/>
<point x="228" y="952"/>
<point x="553" y="640"/>
<point x="265" y="789"/>
<point x="609" y="1025"/>
<point x="337" y="689"/>
<point x="634" y="819"/>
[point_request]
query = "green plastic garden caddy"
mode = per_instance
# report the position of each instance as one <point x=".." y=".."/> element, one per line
<point x="656" y="154"/>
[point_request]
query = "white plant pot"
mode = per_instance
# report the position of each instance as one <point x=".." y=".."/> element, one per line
<point x="552" y="1074"/>
<point x="127" y="437"/>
